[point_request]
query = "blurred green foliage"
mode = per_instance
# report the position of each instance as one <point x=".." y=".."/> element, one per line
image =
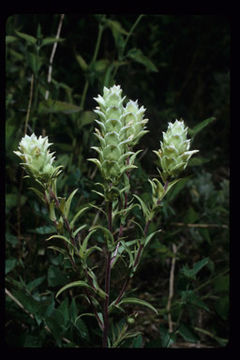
<point x="177" y="66"/>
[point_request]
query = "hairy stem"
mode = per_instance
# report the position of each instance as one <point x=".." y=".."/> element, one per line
<point x="107" y="283"/>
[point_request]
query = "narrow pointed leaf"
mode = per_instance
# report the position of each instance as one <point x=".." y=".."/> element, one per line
<point x="149" y="237"/>
<point x="59" y="237"/>
<point x="108" y="234"/>
<point x="68" y="203"/>
<point x="79" y="229"/>
<point x="144" y="207"/>
<point x="132" y="300"/>
<point x="78" y="214"/>
<point x="79" y="283"/>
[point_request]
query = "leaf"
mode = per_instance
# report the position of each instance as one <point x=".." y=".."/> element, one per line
<point x="10" y="265"/>
<point x="59" y="237"/>
<point x="29" y="38"/>
<point x="109" y="236"/>
<point x="179" y="186"/>
<point x="144" y="207"/>
<point x="150" y="236"/>
<point x="96" y="287"/>
<point x="198" y="161"/>
<point x="56" y="277"/>
<point x="189" y="297"/>
<point x="58" y="249"/>
<point x="132" y="300"/>
<point x="78" y="214"/>
<point x="100" y="65"/>
<point x="81" y="62"/>
<point x="137" y="342"/>
<point x="137" y="55"/>
<point x="83" y="247"/>
<point x="35" y="283"/>
<point x="68" y="203"/>
<point x="38" y="193"/>
<point x="86" y="117"/>
<point x="43" y="230"/>
<point x="9" y="39"/>
<point x="116" y="26"/>
<point x="82" y="328"/>
<point x="79" y="229"/>
<point x="199" y="127"/>
<point x="51" y="40"/>
<point x="54" y="106"/>
<point x="199" y="265"/>
<point x="55" y="323"/>
<point x="78" y="283"/>
<point x="34" y="61"/>
<point x="187" y="334"/>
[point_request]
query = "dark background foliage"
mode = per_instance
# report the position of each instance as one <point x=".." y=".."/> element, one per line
<point x="177" y="66"/>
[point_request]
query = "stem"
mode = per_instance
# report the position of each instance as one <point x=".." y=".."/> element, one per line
<point x="135" y="264"/>
<point x="107" y="283"/>
<point x="55" y="223"/>
<point x="96" y="50"/>
<point x="49" y="78"/>
<point x="100" y="31"/>
<point x="132" y="29"/>
<point x="66" y="222"/>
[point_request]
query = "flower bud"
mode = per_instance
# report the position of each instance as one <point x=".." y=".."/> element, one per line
<point x="119" y="129"/>
<point x="133" y="117"/>
<point x="174" y="153"/>
<point x="37" y="159"/>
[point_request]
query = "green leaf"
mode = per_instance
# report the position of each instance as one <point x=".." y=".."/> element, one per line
<point x="180" y="183"/>
<point x="54" y="106"/>
<point x="43" y="230"/>
<point x="82" y="62"/>
<point x="78" y="214"/>
<point x="9" y="39"/>
<point x="29" y="38"/>
<point x="189" y="297"/>
<point x="137" y="342"/>
<point x="116" y="26"/>
<point x="199" y="127"/>
<point x="83" y="247"/>
<point x="78" y="283"/>
<point x="38" y="193"/>
<point x="132" y="300"/>
<point x="51" y="40"/>
<point x="10" y="265"/>
<point x="55" y="324"/>
<point x="35" y="283"/>
<point x="86" y="118"/>
<point x="82" y="328"/>
<point x="59" y="237"/>
<point x="109" y="236"/>
<point x="137" y="55"/>
<point x="221" y="284"/>
<point x="58" y="249"/>
<point x="34" y="61"/>
<point x="97" y="288"/>
<point x="167" y="338"/>
<point x="68" y="203"/>
<point x="198" y="161"/>
<point x="56" y="277"/>
<point x="79" y="229"/>
<point x="199" y="265"/>
<point x="64" y="309"/>
<point x="144" y="207"/>
<point x="150" y="236"/>
<point x="187" y="334"/>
